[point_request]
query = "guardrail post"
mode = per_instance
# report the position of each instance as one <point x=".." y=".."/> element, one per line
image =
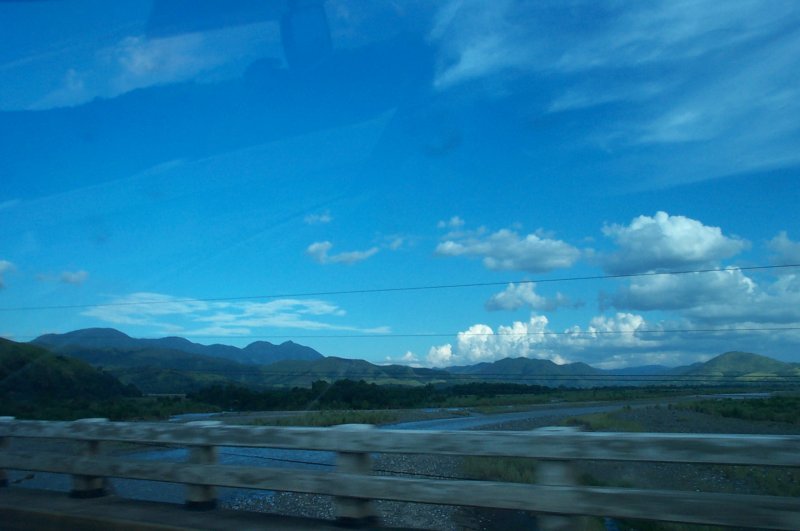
<point x="560" y="473"/>
<point x="89" y="486"/>
<point x="202" y="497"/>
<point x="3" y="446"/>
<point x="354" y="512"/>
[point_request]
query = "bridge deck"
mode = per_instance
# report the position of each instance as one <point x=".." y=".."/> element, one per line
<point x="25" y="509"/>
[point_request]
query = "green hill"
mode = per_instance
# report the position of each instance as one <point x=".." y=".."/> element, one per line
<point x="31" y="374"/>
<point x="530" y="371"/>
<point x="744" y="366"/>
<point x="304" y="373"/>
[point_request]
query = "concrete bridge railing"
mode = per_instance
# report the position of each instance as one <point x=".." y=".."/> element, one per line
<point x="353" y="485"/>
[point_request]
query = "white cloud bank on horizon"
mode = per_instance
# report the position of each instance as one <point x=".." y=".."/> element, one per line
<point x="192" y="317"/>
<point x="534" y="339"/>
<point x="608" y="341"/>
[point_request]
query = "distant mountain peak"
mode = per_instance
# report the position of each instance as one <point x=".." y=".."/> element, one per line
<point x="256" y="353"/>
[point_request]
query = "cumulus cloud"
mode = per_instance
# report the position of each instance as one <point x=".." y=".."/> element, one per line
<point x="409" y="358"/>
<point x="679" y="292"/>
<point x="523" y="295"/>
<point x="726" y="297"/>
<point x="506" y="250"/>
<point x="664" y="242"/>
<point x="481" y="343"/>
<point x="608" y="341"/>
<point x="5" y="266"/>
<point x="314" y="219"/>
<point x="320" y="253"/>
<point x="192" y="317"/>
<point x="73" y="277"/>
<point x="786" y="251"/>
<point x="440" y="356"/>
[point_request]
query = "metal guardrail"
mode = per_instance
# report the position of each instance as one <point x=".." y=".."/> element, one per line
<point x="353" y="486"/>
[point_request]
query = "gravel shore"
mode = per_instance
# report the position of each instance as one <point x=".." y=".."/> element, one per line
<point x="751" y="480"/>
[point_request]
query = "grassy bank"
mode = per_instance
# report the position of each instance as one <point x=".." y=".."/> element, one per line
<point x="774" y="409"/>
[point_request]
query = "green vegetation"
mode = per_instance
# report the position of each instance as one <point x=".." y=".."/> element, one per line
<point x="784" y="481"/>
<point x="776" y="408"/>
<point x="36" y="384"/>
<point x="649" y="525"/>
<point x="349" y="416"/>
<point x="30" y="373"/>
<point x="123" y="408"/>
<point x="360" y="395"/>
<point x="349" y="394"/>
<point x="511" y="469"/>
<point x="333" y="418"/>
<point x="744" y="365"/>
<point x="602" y="422"/>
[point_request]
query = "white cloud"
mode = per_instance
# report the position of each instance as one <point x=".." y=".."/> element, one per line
<point x="741" y="108"/>
<point x="396" y="243"/>
<point x="313" y="219"/>
<point x="319" y="252"/>
<point x="478" y="39"/>
<point x="523" y="295"/>
<point x="505" y="250"/>
<point x="409" y="358"/>
<point x="137" y="61"/>
<point x="679" y="292"/>
<point x="726" y="297"/>
<point x="481" y="343"/>
<point x="193" y="317"/>
<point x="453" y="223"/>
<point x="5" y="266"/>
<point x="440" y="356"/>
<point x="775" y="303"/>
<point x="786" y="251"/>
<point x="665" y="242"/>
<point x="73" y="277"/>
<point x="609" y="341"/>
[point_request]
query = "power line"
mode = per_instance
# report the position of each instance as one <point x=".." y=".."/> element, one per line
<point x="392" y="289"/>
<point x="504" y="377"/>
<point x="376" y="335"/>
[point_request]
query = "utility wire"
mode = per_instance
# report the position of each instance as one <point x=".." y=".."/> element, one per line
<point x="392" y="289"/>
<point x="581" y="333"/>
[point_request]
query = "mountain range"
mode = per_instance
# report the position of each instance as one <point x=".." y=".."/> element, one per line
<point x="257" y="353"/>
<point x="175" y="364"/>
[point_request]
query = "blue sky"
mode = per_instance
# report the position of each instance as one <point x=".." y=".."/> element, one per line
<point x="164" y="164"/>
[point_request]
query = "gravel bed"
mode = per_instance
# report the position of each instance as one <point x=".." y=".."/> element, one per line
<point x="393" y="514"/>
<point x="643" y="475"/>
